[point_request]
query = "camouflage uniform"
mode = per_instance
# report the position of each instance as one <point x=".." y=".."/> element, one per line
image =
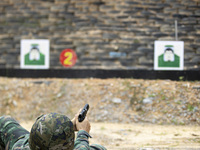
<point x="50" y="132"/>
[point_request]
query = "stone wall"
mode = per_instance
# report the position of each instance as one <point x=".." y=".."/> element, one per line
<point x="94" y="28"/>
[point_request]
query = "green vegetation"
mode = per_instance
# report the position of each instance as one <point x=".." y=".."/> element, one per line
<point x="190" y="107"/>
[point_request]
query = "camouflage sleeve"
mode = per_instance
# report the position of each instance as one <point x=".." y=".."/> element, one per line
<point x="82" y="142"/>
<point x="10" y="131"/>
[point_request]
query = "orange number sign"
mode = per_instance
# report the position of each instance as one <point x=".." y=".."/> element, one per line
<point x="68" y="58"/>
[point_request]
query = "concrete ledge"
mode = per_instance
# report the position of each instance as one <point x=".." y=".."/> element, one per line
<point x="190" y="75"/>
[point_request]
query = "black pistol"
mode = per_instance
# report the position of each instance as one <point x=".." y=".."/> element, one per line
<point x="83" y="113"/>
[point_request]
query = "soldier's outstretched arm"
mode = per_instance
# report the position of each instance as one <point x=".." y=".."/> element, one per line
<point x="81" y="142"/>
<point x="83" y="128"/>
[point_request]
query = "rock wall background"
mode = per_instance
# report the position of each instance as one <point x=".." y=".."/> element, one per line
<point x="94" y="28"/>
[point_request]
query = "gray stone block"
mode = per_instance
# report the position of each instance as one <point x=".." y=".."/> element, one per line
<point x="6" y="48"/>
<point x="98" y="3"/>
<point x="189" y="55"/>
<point x="169" y="10"/>
<point x="109" y="36"/>
<point x="186" y="28"/>
<point x="122" y="7"/>
<point x="130" y="12"/>
<point x="189" y="21"/>
<point x="135" y="54"/>
<point x="129" y="2"/>
<point x="138" y="8"/>
<point x="100" y="42"/>
<point x="190" y="64"/>
<point x="193" y="6"/>
<point x="149" y="40"/>
<point x="195" y="59"/>
<point x="181" y="34"/>
<point x="172" y="1"/>
<point x="105" y="8"/>
<point x="111" y="64"/>
<point x="61" y="1"/>
<point x="87" y="58"/>
<point x="122" y="17"/>
<point x="197" y="12"/>
<point x="158" y="19"/>
<point x="187" y="39"/>
<point x="128" y="62"/>
<point x="163" y="5"/>
<point x="144" y="49"/>
<point x="198" y="50"/>
<point x="185" y="12"/>
<point x="160" y="34"/>
<point x="91" y="63"/>
<point x="2" y="66"/>
<point x="145" y="61"/>
<point x="84" y="48"/>
<point x="63" y="42"/>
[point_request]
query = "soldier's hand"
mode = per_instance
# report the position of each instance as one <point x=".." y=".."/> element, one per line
<point x="74" y="120"/>
<point x="74" y="124"/>
<point x="84" y="125"/>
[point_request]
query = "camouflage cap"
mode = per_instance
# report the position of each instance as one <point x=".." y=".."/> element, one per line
<point x="52" y="132"/>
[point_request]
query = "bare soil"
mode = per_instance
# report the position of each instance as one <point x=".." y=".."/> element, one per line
<point x="142" y="136"/>
<point x="124" y="113"/>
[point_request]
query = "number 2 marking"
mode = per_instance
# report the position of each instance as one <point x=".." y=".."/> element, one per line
<point x="68" y="58"/>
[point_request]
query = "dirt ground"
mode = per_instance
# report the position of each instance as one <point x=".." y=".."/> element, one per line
<point x="142" y="136"/>
<point x="125" y="114"/>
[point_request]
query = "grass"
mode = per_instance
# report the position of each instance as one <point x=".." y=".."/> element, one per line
<point x="137" y="133"/>
<point x="161" y="134"/>
<point x="181" y="78"/>
<point x="152" y="95"/>
<point x="190" y="107"/>
<point x="102" y="128"/>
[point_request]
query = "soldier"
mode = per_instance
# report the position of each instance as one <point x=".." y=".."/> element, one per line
<point x="52" y="131"/>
